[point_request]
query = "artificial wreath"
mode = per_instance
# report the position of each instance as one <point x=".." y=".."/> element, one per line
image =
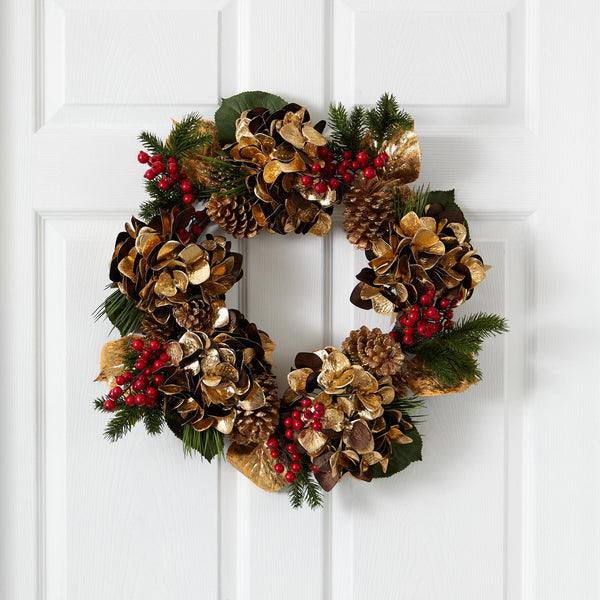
<point x="187" y="361"/>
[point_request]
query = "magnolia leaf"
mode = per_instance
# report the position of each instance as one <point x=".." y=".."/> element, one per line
<point x="231" y="108"/>
<point x="402" y="455"/>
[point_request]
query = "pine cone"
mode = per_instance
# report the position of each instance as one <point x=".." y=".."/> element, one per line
<point x="154" y="330"/>
<point x="369" y="212"/>
<point x="254" y="426"/>
<point x="233" y="215"/>
<point x="376" y="351"/>
<point x="195" y="315"/>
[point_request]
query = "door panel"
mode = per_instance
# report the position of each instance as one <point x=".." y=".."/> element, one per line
<point x="504" y="504"/>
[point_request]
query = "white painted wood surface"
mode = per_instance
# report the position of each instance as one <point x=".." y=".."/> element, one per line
<point x="505" y="503"/>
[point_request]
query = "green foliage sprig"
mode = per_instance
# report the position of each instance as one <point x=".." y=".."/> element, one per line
<point x="386" y="118"/>
<point x="124" y="418"/>
<point x="209" y="443"/>
<point x="304" y="488"/>
<point x="121" y="311"/>
<point x="450" y="355"/>
<point x="405" y="202"/>
<point x="347" y="130"/>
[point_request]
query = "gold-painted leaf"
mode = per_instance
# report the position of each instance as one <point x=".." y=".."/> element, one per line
<point x="255" y="398"/>
<point x="112" y="357"/>
<point x="256" y="464"/>
<point x="312" y="441"/>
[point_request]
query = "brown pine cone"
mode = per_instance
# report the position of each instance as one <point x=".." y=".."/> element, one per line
<point x="154" y="330"/>
<point x="369" y="211"/>
<point x="254" y="426"/>
<point x="233" y="215"/>
<point x="195" y="315"/>
<point x="375" y="351"/>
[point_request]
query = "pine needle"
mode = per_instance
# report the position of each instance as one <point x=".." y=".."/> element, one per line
<point x="121" y="311"/>
<point x="386" y="118"/>
<point x="209" y="443"/>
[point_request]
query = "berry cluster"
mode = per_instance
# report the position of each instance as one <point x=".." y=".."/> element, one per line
<point x="139" y="387"/>
<point x="196" y="227"/>
<point x="169" y="176"/>
<point x="330" y="174"/>
<point x="425" y="319"/>
<point x="295" y="422"/>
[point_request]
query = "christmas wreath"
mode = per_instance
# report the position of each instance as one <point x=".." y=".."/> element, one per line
<point x="187" y="361"/>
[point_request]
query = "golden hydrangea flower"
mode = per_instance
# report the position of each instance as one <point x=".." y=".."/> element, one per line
<point x="359" y="424"/>
<point x="419" y="254"/>
<point x="157" y="270"/>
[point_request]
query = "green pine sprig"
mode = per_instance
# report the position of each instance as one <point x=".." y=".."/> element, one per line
<point x="347" y="130"/>
<point x="408" y="405"/>
<point x="122" y="422"/>
<point x="386" y="118"/>
<point x="404" y="202"/>
<point x="187" y="137"/>
<point x="209" y="443"/>
<point x="451" y="355"/>
<point x="304" y="488"/>
<point x="121" y="311"/>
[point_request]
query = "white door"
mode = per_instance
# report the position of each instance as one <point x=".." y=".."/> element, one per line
<point x="505" y="503"/>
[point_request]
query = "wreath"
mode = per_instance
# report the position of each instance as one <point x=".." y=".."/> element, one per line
<point x="187" y="361"/>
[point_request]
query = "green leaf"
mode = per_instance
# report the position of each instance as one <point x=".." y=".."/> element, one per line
<point x="402" y="455"/>
<point x="231" y="109"/>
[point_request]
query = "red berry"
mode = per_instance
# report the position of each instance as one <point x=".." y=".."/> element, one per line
<point x="272" y="443"/>
<point x="290" y="477"/>
<point x="130" y="400"/>
<point x="156" y="158"/>
<point x="319" y="406"/>
<point x="295" y="414"/>
<point x="158" y="379"/>
<point x="109" y="405"/>
<point x="289" y="434"/>
<point x="322" y="151"/>
<point x="412" y="318"/>
<point x="317" y="426"/>
<point x="408" y="340"/>
<point x="291" y="447"/>
<point x="330" y="168"/>
<point x="334" y="183"/>
<point x="171" y="159"/>
<point x="449" y="324"/>
<point x="143" y="157"/>
<point x="172" y="168"/>
<point x="315" y="167"/>
<point x="119" y="380"/>
<point x="127" y="376"/>
<point x="163" y="185"/>
<point x="296" y="467"/>
<point x="431" y="312"/>
<point x="355" y="165"/>
<point x="140" y="399"/>
<point x="146" y="353"/>
<point x="295" y="456"/>
<point x="444" y="303"/>
<point x="287" y="422"/>
<point x="297" y="424"/>
<point x="141" y="364"/>
<point x="315" y="469"/>
<point x="137" y="344"/>
<point x="152" y="393"/>
<point x="188" y="198"/>
<point x="347" y="177"/>
<point x="341" y="169"/>
<point x="164" y="357"/>
<point x="278" y="468"/>
<point x="158" y="167"/>
<point x="275" y="453"/>
<point x="409" y="330"/>
<point x="319" y="412"/>
<point x="154" y="345"/>
<point x="394" y="335"/>
<point x="449" y="314"/>
<point x="150" y="402"/>
<point x="346" y="164"/>
<point x="148" y="371"/>
<point x="384" y="155"/>
<point x="369" y="172"/>
<point x="305" y="402"/>
<point x="426" y="300"/>
<point x="149" y="174"/>
<point x="306" y="180"/>
<point x="184" y="234"/>
<point x="185" y="186"/>
<point x="320" y="188"/>
<point x="196" y="229"/>
<point x="116" y="392"/>
<point x="347" y="155"/>
<point x="308" y="415"/>
<point x="362" y="157"/>
<point x="328" y="158"/>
